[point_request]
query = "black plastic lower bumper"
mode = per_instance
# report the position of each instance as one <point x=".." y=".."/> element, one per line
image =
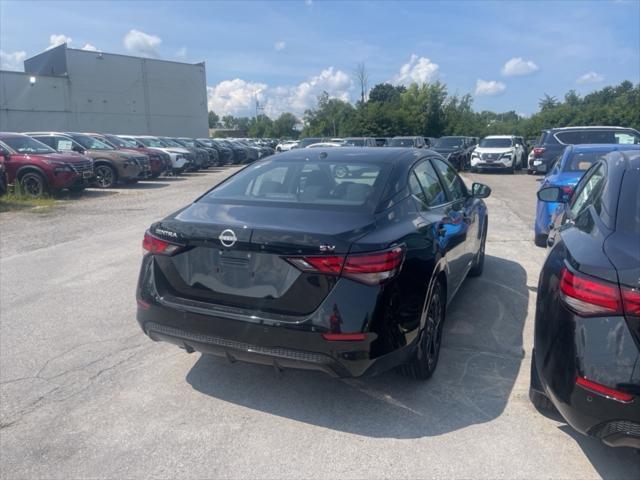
<point x="279" y="346"/>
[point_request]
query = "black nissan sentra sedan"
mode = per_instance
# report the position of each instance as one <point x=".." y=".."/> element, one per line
<point x="288" y="264"/>
<point x="586" y="357"/>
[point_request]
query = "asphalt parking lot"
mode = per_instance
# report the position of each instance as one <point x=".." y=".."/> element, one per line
<point x="85" y="394"/>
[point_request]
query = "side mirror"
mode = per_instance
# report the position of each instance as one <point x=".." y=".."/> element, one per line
<point x="480" y="190"/>
<point x="553" y="194"/>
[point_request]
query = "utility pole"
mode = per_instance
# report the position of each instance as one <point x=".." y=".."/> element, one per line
<point x="259" y="108"/>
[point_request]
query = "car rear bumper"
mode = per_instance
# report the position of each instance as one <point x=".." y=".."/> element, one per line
<point x="602" y="350"/>
<point x="278" y="346"/>
<point x="537" y="165"/>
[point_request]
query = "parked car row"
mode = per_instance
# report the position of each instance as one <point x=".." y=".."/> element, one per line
<point x="42" y="162"/>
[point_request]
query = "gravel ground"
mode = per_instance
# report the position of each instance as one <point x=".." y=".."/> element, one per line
<point x="84" y="393"/>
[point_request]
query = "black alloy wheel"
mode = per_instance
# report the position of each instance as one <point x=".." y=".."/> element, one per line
<point x="33" y="184"/>
<point x="425" y="360"/>
<point x="105" y="176"/>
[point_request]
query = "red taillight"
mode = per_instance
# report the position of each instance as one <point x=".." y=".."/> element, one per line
<point x="156" y="246"/>
<point x="344" y="337"/>
<point x="589" y="296"/>
<point x="373" y="268"/>
<point x="631" y="301"/>
<point x="370" y="268"/>
<point x="538" y="151"/>
<point x="602" y="390"/>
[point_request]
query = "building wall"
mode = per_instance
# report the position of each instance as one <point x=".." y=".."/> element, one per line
<point x="25" y="107"/>
<point x="107" y="93"/>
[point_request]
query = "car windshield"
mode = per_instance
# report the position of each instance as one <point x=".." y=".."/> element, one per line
<point x="205" y="142"/>
<point x="171" y="143"/>
<point x="187" y="142"/>
<point x="354" y="142"/>
<point x="27" y="145"/>
<point x="495" y="143"/>
<point x="449" y="142"/>
<point x="337" y="184"/>
<point x="152" y="142"/>
<point x="581" y="161"/>
<point x="401" y="142"/>
<point x="91" y="143"/>
<point x="121" y="142"/>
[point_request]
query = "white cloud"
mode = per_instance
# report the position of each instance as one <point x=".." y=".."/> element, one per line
<point x="182" y="52"/>
<point x="237" y="97"/>
<point x="232" y="97"/>
<point x="280" y="45"/>
<point x="589" y="77"/>
<point x="58" y="39"/>
<point x="89" y="48"/>
<point x="12" y="60"/>
<point x="489" y="87"/>
<point x="518" y="66"/>
<point x="140" y="43"/>
<point x="418" y="70"/>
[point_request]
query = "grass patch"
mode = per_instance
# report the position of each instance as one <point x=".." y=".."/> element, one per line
<point x="15" y="200"/>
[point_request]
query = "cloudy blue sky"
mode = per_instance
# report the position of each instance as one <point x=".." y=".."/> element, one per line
<point x="506" y="54"/>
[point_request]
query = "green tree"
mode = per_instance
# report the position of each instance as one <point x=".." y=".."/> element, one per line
<point x="213" y="119"/>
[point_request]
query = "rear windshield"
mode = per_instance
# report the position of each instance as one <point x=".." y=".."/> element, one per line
<point x="322" y="183"/>
<point x="575" y="137"/>
<point x="495" y="143"/>
<point x="401" y="142"/>
<point x="581" y="162"/>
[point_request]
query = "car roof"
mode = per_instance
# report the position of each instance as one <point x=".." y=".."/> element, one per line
<point x="603" y="147"/>
<point x="46" y="133"/>
<point x="12" y="134"/>
<point x="499" y="136"/>
<point x="358" y="154"/>
<point x="591" y="127"/>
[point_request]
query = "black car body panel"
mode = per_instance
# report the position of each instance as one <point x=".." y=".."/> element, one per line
<point x="250" y="300"/>
<point x="457" y="150"/>
<point x="598" y="242"/>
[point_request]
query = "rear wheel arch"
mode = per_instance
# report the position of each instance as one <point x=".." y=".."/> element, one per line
<point x="32" y="169"/>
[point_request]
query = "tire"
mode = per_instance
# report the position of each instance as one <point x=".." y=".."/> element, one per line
<point x="513" y="168"/>
<point x="106" y="176"/>
<point x="33" y="184"/>
<point x="425" y="358"/>
<point x="478" y="263"/>
<point x="541" y="240"/>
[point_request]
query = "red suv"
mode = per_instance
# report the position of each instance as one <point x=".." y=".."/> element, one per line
<point x="159" y="162"/>
<point x="40" y="169"/>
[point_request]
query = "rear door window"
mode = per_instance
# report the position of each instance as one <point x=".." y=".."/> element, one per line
<point x="628" y="215"/>
<point x="425" y="185"/>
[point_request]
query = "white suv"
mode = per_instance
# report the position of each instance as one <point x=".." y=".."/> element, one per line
<point x="498" y="152"/>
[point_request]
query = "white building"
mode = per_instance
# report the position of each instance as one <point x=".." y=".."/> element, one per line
<point x="66" y="89"/>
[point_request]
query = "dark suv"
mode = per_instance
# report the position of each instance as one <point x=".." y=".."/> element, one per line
<point x="40" y="169"/>
<point x="553" y="141"/>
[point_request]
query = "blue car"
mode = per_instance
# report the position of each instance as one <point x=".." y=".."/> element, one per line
<point x="565" y="174"/>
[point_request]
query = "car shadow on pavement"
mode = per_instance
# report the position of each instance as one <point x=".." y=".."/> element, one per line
<point x="609" y="462"/>
<point x="479" y="362"/>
